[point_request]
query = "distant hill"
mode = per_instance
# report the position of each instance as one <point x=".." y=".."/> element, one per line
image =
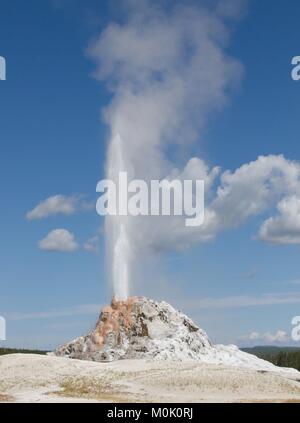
<point x="280" y="356"/>
<point x="5" y="351"/>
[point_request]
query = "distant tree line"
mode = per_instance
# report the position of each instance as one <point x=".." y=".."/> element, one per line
<point x="283" y="359"/>
<point x="5" y="351"/>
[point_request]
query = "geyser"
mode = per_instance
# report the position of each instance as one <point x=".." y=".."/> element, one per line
<point x="167" y="70"/>
<point x="117" y="227"/>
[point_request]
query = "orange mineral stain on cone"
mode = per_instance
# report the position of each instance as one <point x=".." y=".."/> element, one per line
<point x="117" y="315"/>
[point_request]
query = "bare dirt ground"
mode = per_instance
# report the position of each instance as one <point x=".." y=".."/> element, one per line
<point x="35" y="378"/>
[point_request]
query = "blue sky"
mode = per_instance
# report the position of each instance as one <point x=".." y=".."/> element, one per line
<point x="53" y="141"/>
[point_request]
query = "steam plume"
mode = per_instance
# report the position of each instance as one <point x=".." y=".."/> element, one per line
<point x="167" y="70"/>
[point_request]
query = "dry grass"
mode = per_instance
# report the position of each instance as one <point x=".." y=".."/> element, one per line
<point x="101" y="389"/>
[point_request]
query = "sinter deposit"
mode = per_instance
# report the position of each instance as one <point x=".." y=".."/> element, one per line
<point x="139" y="328"/>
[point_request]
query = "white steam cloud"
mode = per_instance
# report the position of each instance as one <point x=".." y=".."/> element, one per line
<point x="167" y="71"/>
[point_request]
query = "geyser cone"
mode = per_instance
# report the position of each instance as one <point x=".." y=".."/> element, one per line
<point x="140" y="328"/>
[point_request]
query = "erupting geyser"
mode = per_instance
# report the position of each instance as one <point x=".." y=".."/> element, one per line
<point x="167" y="70"/>
<point x="117" y="227"/>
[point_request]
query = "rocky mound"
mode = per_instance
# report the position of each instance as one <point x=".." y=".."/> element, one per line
<point x="140" y="328"/>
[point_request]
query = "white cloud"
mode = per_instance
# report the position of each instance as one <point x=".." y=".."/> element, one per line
<point x="59" y="240"/>
<point x="254" y="188"/>
<point x="92" y="245"/>
<point x="58" y="204"/>
<point x="284" y="228"/>
<point x="251" y="190"/>
<point x="278" y="337"/>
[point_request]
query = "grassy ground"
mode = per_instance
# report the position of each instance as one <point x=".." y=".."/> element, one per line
<point x="100" y="389"/>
